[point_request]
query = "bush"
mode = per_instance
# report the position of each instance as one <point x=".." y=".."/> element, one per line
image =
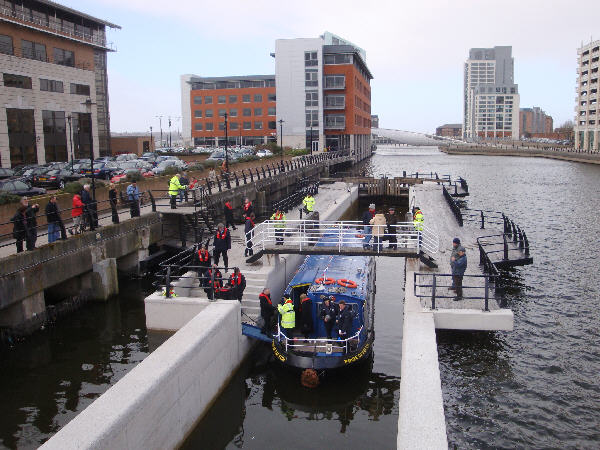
<point x="297" y="152"/>
<point x="212" y="163"/>
<point x="195" y="166"/>
<point x="133" y="176"/>
<point x="246" y="159"/>
<point x="74" y="187"/>
<point x="7" y="198"/>
<point x="171" y="170"/>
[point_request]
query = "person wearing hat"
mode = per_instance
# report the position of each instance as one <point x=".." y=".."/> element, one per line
<point x="328" y="314"/>
<point x="366" y="220"/>
<point x="392" y="219"/>
<point x="344" y="321"/>
<point x="458" y="264"/>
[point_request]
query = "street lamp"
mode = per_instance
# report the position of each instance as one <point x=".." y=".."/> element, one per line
<point x="150" y="149"/>
<point x="169" y="132"/>
<point x="311" y="138"/>
<point x="88" y="105"/>
<point x="226" y="138"/>
<point x="71" y="141"/>
<point x="281" y="140"/>
<point x="160" y="125"/>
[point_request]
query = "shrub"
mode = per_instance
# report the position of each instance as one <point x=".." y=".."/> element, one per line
<point x="212" y="163"/>
<point x="6" y="198"/>
<point x="74" y="187"/>
<point x="195" y="166"/>
<point x="297" y="152"/>
<point x="133" y="176"/>
<point x="246" y="159"/>
<point x="171" y="170"/>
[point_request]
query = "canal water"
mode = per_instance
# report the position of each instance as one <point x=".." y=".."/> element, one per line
<point x="534" y="387"/>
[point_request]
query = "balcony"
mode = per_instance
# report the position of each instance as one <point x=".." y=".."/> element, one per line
<point x="334" y="102"/>
<point x="335" y="122"/>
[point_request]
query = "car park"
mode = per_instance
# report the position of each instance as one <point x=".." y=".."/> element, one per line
<point x="160" y="168"/>
<point x="102" y="170"/>
<point x="6" y="173"/>
<point x="126" y="157"/>
<point x="264" y="152"/>
<point x="19" y="187"/>
<point x="57" y="178"/>
<point x="217" y="155"/>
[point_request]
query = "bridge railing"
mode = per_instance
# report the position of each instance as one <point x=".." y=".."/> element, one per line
<point x="430" y="285"/>
<point x="453" y="206"/>
<point x="337" y="235"/>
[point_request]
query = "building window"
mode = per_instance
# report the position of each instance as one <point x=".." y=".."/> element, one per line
<point x="80" y="89"/>
<point x="208" y="100"/>
<point x="335" y="122"/>
<point x="247" y="125"/>
<point x="33" y="50"/>
<point x="208" y="113"/>
<point x="64" y="57"/>
<point x="271" y="97"/>
<point x="222" y="112"/>
<point x="271" y="111"/>
<point x="233" y="99"/>
<point x="221" y="99"/>
<point x="209" y="126"/>
<point x="312" y="118"/>
<point x="21" y="136"/>
<point x="311" y="79"/>
<point x="198" y="113"/>
<point x="257" y="98"/>
<point x="338" y="59"/>
<point x="272" y="125"/>
<point x="310" y="59"/>
<point x="247" y="112"/>
<point x="197" y="100"/>
<point x="233" y="125"/>
<point x="55" y="136"/>
<point x="17" y="81"/>
<point x="335" y="82"/>
<point x="246" y="98"/>
<point x="221" y="126"/>
<point x="198" y="126"/>
<point x="336" y="101"/>
<point x="6" y="45"/>
<point x="258" y="111"/>
<point x="51" y="85"/>
<point x="312" y="99"/>
<point x="233" y="112"/>
<point x="258" y="125"/>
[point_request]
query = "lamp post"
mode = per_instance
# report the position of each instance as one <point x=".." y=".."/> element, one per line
<point x="226" y="139"/>
<point x="240" y="137"/>
<point x="71" y="141"/>
<point x="150" y="149"/>
<point x="281" y="140"/>
<point x="169" y="132"/>
<point x="160" y="125"/>
<point x="311" y="139"/>
<point x="88" y="105"/>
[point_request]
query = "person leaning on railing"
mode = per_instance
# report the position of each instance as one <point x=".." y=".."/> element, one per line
<point x="174" y="187"/>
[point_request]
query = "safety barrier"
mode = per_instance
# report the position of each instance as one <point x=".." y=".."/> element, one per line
<point x="321" y="344"/>
<point x="488" y="285"/>
<point x="453" y="206"/>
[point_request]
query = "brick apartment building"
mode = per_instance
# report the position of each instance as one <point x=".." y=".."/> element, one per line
<point x="534" y="121"/>
<point x="54" y="88"/>
<point x="449" y="130"/>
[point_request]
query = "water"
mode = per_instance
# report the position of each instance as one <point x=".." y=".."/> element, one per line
<point x="49" y="378"/>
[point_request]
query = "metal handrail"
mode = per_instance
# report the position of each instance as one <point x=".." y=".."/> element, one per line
<point x="453" y="206"/>
<point x="488" y="280"/>
<point x="314" y="342"/>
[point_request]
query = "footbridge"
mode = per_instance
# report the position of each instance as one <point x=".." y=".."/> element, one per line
<point x="390" y="136"/>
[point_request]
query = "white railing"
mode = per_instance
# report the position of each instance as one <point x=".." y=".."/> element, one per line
<point x="295" y="343"/>
<point x="337" y="236"/>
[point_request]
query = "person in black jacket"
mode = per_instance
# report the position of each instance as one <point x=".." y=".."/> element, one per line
<point x="20" y="227"/>
<point x="228" y="212"/>
<point x="31" y="220"/>
<point x="392" y="219"/>
<point x="366" y="220"/>
<point x="112" y="198"/>
<point x="248" y="227"/>
<point x="247" y="208"/>
<point x="237" y="284"/>
<point x="222" y="242"/>
<point x="329" y="314"/>
<point x="306" y="315"/>
<point x="56" y="227"/>
<point x="267" y="311"/>
<point x="88" y="203"/>
<point x="215" y="282"/>
<point x="185" y="181"/>
<point x="204" y="260"/>
<point x="344" y="321"/>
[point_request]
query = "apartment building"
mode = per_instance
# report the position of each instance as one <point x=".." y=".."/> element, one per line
<point x="324" y="94"/>
<point x="491" y="98"/>
<point x="449" y="130"/>
<point x="54" y="87"/>
<point x="534" y="121"/>
<point x="248" y="102"/>
<point x="587" y="125"/>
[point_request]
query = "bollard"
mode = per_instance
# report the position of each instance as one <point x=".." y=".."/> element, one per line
<point x="433" y="286"/>
<point x="482" y="221"/>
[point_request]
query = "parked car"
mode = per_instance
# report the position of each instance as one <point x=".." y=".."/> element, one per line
<point x="217" y="155"/>
<point x="19" y="187"/>
<point x="102" y="170"/>
<point x="264" y="152"/>
<point x="57" y="178"/>
<point x="126" y="157"/>
<point x="158" y="170"/>
<point x="6" y="173"/>
<point x="30" y="175"/>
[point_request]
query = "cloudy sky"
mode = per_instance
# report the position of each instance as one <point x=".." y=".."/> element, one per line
<point x="415" y="49"/>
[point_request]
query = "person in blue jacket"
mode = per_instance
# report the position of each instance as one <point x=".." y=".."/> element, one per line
<point x="458" y="264"/>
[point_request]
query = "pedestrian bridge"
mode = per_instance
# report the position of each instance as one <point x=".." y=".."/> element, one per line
<point x="386" y="135"/>
<point x="313" y="237"/>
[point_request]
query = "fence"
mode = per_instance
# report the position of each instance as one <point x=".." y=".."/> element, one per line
<point x="453" y="206"/>
<point x="434" y="286"/>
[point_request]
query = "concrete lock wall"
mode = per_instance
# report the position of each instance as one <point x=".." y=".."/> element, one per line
<point x="158" y="403"/>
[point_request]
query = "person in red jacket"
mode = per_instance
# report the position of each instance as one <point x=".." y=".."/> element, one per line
<point x="76" y="214"/>
<point x="228" y="212"/>
<point x="237" y="284"/>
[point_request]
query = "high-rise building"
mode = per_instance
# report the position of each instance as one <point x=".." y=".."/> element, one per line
<point x="323" y="94"/>
<point x="491" y="97"/>
<point x="54" y="90"/>
<point x="587" y="125"/>
<point x="534" y="121"/>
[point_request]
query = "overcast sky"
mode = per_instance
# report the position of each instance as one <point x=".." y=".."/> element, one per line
<point x="415" y="50"/>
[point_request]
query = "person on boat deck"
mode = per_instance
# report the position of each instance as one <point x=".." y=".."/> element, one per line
<point x="366" y="219"/>
<point x="204" y="260"/>
<point x="267" y="311"/>
<point x="458" y="263"/>
<point x="306" y="315"/>
<point x="222" y="243"/>
<point x="288" y="315"/>
<point x="237" y="284"/>
<point x="329" y="314"/>
<point x="215" y="283"/>
<point x="344" y="321"/>
<point x="378" y="226"/>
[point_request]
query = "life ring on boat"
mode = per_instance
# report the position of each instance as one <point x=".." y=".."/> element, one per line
<point x="360" y="236"/>
<point x="325" y="281"/>
<point x="347" y="283"/>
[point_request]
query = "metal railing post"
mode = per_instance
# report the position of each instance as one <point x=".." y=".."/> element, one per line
<point x="526" y="244"/>
<point x="152" y="201"/>
<point x="482" y="221"/>
<point x="487" y="293"/>
<point x="433" y="288"/>
<point x="505" y="247"/>
<point x="168" y="283"/>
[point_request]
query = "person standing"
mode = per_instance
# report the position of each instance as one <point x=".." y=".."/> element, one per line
<point x="308" y="203"/>
<point x="55" y="224"/>
<point x="344" y="321"/>
<point x="366" y="220"/>
<point x="418" y="222"/>
<point x="204" y="260"/>
<point x="112" y="198"/>
<point x="215" y="282"/>
<point x="222" y="243"/>
<point x="248" y="227"/>
<point x="20" y="227"/>
<point x="212" y="176"/>
<point x="392" y="219"/>
<point x="288" y="315"/>
<point x="237" y="284"/>
<point x="228" y="213"/>
<point x="378" y="226"/>
<point x="86" y="198"/>
<point x="329" y="314"/>
<point x="306" y="315"/>
<point x="247" y="208"/>
<point x="30" y="213"/>
<point x="76" y="214"/>
<point x="133" y="196"/>
<point x="267" y="310"/>
<point x="174" y="187"/>
<point x="183" y="193"/>
<point x="458" y="263"/>
<point x="279" y="225"/>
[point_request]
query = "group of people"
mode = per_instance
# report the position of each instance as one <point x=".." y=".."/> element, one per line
<point x="179" y="187"/>
<point x="335" y="316"/>
<point x="380" y="227"/>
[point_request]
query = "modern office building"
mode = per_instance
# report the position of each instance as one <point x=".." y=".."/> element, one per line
<point x="449" y="130"/>
<point x="587" y="125"/>
<point x="374" y="121"/>
<point x="491" y="97"/>
<point x="248" y="101"/>
<point x="54" y="86"/>
<point x="323" y="94"/>
<point x="534" y="121"/>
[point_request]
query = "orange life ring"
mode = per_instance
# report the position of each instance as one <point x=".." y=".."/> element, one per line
<point x="347" y="283"/>
<point x="325" y="281"/>
<point x="359" y="236"/>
